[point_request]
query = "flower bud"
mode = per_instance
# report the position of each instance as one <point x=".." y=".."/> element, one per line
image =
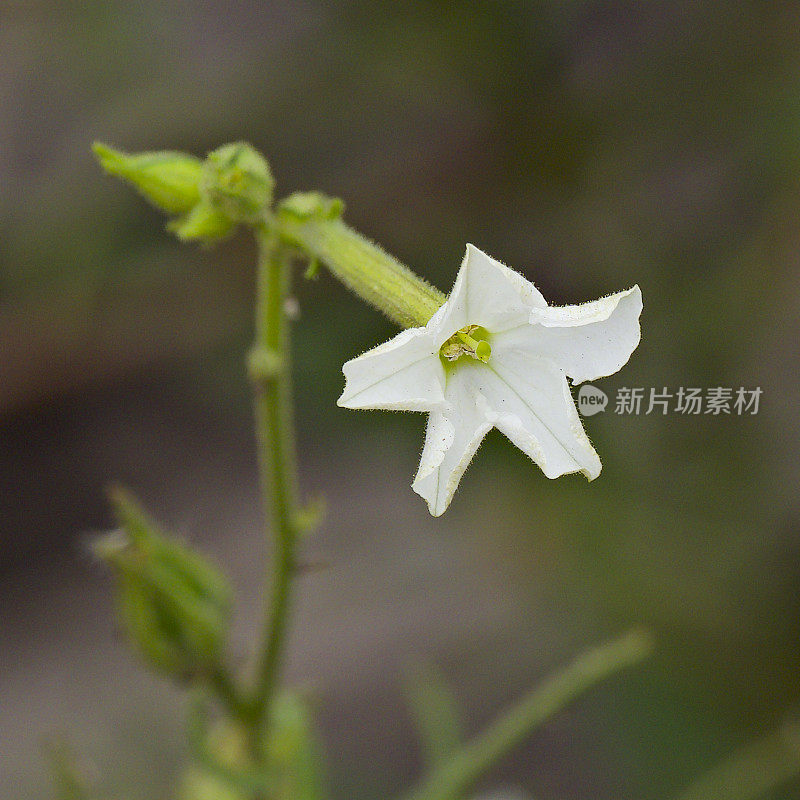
<point x="170" y="181"/>
<point x="238" y="182"/>
<point x="174" y="605"/>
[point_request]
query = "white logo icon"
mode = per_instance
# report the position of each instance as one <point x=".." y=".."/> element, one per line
<point x="591" y="400"/>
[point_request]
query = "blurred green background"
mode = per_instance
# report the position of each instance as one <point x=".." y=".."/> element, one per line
<point x="591" y="145"/>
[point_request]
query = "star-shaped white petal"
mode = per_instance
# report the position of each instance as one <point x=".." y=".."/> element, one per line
<point x="522" y="390"/>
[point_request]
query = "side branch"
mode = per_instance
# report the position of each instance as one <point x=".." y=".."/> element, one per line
<point x="465" y="767"/>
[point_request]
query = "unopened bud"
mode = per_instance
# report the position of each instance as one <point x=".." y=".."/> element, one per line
<point x="174" y="605"/>
<point x="238" y="182"/>
<point x="169" y="180"/>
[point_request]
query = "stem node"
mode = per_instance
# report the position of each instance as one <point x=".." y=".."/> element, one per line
<point x="264" y="364"/>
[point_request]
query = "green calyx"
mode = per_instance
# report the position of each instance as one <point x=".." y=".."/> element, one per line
<point x="174" y="605"/>
<point x="204" y="223"/>
<point x="312" y="205"/>
<point x="470" y="341"/>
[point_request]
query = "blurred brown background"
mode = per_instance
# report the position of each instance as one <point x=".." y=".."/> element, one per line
<point x="592" y="145"/>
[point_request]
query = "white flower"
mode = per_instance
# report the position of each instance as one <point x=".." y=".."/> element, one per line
<point x="496" y="355"/>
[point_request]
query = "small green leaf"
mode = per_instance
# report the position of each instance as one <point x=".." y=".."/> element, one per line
<point x="293" y="752"/>
<point x="290" y="767"/>
<point x="312" y="270"/>
<point x="455" y="775"/>
<point x="308" y="518"/>
<point x="435" y="712"/>
<point x="70" y="783"/>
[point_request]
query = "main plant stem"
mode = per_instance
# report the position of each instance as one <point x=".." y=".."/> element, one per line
<point x="270" y="373"/>
<point x="381" y="280"/>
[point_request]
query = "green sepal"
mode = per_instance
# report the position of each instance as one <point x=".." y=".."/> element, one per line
<point x="310" y="223"/>
<point x="305" y="205"/>
<point x="204" y="223"/>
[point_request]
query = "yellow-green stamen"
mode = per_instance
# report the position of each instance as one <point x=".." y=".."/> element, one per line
<point x="462" y="342"/>
<point x="481" y="350"/>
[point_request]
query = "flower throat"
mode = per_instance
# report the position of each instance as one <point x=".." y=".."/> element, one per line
<point x="470" y="341"/>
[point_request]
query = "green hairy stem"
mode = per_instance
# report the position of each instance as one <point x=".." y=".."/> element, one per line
<point x="362" y="266"/>
<point x="270" y="374"/>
